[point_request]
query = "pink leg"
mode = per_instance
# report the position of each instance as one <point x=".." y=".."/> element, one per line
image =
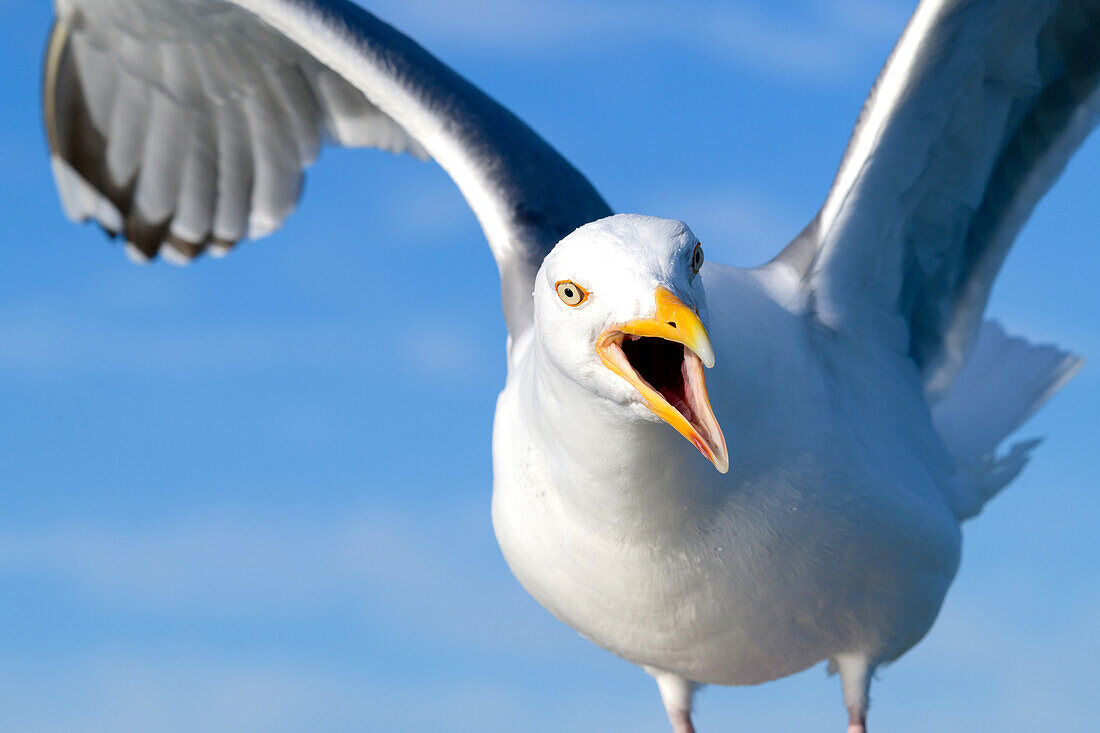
<point x="676" y="694"/>
<point x="681" y="721"/>
<point x="855" y="677"/>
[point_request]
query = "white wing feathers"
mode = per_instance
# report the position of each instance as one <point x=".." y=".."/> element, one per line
<point x="974" y="116"/>
<point x="185" y="125"/>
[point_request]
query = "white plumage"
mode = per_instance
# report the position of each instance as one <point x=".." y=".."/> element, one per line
<point x="835" y="533"/>
<point x="856" y="403"/>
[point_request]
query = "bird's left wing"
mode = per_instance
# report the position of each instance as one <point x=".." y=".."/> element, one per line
<point x="974" y="116"/>
<point x="185" y="125"/>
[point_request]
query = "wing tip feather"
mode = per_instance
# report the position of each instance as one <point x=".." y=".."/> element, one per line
<point x="219" y="248"/>
<point x="136" y="255"/>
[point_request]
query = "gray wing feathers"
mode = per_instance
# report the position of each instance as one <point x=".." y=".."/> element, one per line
<point x="353" y="121"/>
<point x="525" y="195"/>
<point x="190" y="127"/>
<point x="973" y="118"/>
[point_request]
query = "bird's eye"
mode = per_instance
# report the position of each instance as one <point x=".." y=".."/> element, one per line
<point x="697" y="258"/>
<point x="570" y="293"/>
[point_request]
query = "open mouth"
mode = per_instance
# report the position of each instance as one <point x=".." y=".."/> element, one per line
<point x="669" y="376"/>
<point x="664" y="366"/>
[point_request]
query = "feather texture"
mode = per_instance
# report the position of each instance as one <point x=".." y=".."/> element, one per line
<point x="186" y="125"/>
<point x="970" y="122"/>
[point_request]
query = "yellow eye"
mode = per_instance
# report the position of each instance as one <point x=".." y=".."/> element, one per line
<point x="570" y="293"/>
<point x="697" y="258"/>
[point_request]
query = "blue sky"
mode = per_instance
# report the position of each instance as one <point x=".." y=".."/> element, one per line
<point x="253" y="494"/>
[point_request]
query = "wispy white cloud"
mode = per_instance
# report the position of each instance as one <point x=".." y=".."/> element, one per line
<point x="443" y="351"/>
<point x="754" y="34"/>
<point x="397" y="565"/>
<point x="428" y="577"/>
<point x="42" y="341"/>
<point x="869" y="18"/>
<point x="429" y="209"/>
<point x="982" y="667"/>
<point x="737" y="227"/>
<point x="191" y="691"/>
<point x="1021" y="668"/>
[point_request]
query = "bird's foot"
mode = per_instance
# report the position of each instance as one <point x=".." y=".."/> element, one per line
<point x="857" y="723"/>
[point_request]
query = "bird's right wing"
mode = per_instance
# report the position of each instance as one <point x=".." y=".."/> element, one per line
<point x="185" y="125"/>
<point x="975" y="114"/>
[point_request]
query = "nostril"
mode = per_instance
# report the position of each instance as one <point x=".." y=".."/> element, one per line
<point x="672" y="323"/>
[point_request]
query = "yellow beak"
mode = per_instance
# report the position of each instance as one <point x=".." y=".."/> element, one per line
<point x="681" y="402"/>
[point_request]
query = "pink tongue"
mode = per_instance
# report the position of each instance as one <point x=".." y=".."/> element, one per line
<point x="693" y="383"/>
<point x="674" y="400"/>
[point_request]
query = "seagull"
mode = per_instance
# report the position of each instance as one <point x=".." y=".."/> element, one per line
<point x="722" y="475"/>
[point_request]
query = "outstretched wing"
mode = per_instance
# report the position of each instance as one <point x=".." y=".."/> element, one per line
<point x="185" y="125"/>
<point x="974" y="116"/>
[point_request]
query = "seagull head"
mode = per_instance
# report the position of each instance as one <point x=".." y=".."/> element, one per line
<point x="620" y="309"/>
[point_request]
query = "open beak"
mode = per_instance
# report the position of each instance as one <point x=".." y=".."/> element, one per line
<point x="663" y="358"/>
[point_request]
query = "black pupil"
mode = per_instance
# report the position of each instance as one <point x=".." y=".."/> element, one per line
<point x="568" y="293"/>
